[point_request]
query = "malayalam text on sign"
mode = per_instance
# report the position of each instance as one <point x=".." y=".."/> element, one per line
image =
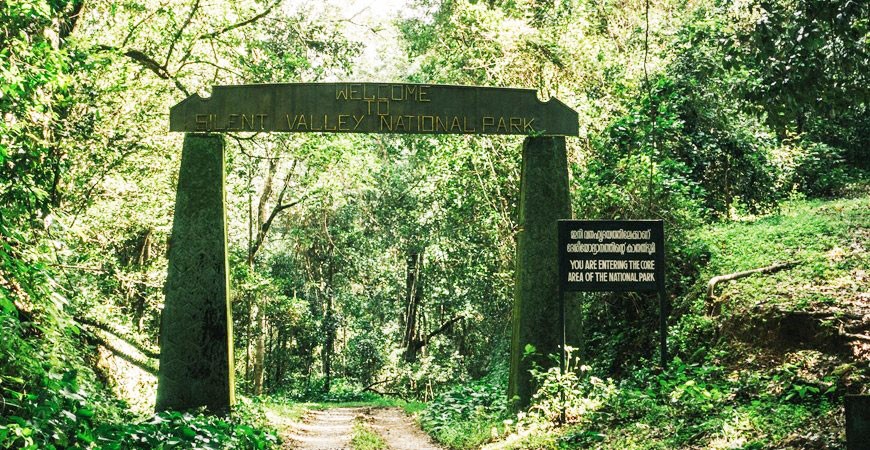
<point x="611" y="255"/>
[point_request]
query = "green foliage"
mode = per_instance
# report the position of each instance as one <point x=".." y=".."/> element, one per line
<point x="52" y="412"/>
<point x="186" y="430"/>
<point x="821" y="171"/>
<point x="745" y="104"/>
<point x="574" y="393"/>
<point x="464" y="416"/>
<point x="341" y="391"/>
<point x="33" y="101"/>
<point x="810" y="57"/>
<point x="364" y="358"/>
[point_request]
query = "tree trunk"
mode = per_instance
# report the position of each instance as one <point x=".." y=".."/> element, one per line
<point x="329" y="325"/>
<point x="260" y="345"/>
<point x="413" y="303"/>
<point x="259" y="349"/>
<point x="329" y="339"/>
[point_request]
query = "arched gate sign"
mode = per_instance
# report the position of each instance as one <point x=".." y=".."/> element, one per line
<point x="196" y="343"/>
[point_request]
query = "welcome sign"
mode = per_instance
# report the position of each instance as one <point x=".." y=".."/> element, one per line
<point x="374" y="108"/>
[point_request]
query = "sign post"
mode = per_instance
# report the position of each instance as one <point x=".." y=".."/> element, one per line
<point x="613" y="255"/>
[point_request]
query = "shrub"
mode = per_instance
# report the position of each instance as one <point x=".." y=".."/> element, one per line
<point x="464" y="417"/>
<point x="821" y="170"/>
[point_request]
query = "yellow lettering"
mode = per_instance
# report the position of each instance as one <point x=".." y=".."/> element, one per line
<point x="354" y="92"/>
<point x="455" y="124"/>
<point x="393" y="92"/>
<point x="341" y="93"/>
<point x="516" y="122"/>
<point x="501" y="124"/>
<point x="358" y="120"/>
<point x="366" y="96"/>
<point x="262" y="121"/>
<point x="201" y="122"/>
<point x="212" y="119"/>
<point x="231" y="122"/>
<point x="301" y="122"/>
<point x="439" y="125"/>
<point x="422" y="126"/>
<point x="421" y="93"/>
<point x="342" y="122"/>
<point x="326" y="123"/>
<point x="400" y="122"/>
<point x="370" y="105"/>
<point x="250" y="122"/>
<point x="382" y="96"/>
<point x="488" y="122"/>
<point x="385" y="120"/>
<point x="527" y="126"/>
<point x="386" y="109"/>
<point x="465" y="125"/>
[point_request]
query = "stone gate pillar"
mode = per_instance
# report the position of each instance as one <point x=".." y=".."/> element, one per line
<point x="544" y="199"/>
<point x="196" y="343"/>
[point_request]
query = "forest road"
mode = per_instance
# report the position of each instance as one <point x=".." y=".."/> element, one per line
<point x="332" y="429"/>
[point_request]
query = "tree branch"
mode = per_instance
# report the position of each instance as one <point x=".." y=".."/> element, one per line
<point x="94" y="338"/>
<point x="148" y="63"/>
<point x="178" y="33"/>
<point x="69" y="24"/>
<point x="130" y="359"/>
<point x="857" y="337"/>
<point x="244" y="22"/>
<point x="733" y="276"/>
<point x="444" y="327"/>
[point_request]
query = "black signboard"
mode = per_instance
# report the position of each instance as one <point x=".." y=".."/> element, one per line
<point x="611" y="255"/>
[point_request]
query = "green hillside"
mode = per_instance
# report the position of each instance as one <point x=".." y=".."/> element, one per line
<point x="765" y="363"/>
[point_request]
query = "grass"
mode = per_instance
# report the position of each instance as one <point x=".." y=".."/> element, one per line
<point x="364" y="438"/>
<point x="829" y="240"/>
<point x="411" y="407"/>
<point x="291" y="411"/>
<point x="753" y="396"/>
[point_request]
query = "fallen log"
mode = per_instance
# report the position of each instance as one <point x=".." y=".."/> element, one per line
<point x="737" y="275"/>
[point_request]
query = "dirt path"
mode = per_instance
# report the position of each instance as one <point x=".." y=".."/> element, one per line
<point x="332" y="429"/>
<point x="398" y="430"/>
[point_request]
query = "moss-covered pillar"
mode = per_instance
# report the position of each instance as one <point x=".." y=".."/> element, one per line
<point x="544" y="199"/>
<point x="196" y="344"/>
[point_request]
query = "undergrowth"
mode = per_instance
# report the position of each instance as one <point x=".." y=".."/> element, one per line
<point x="717" y="392"/>
<point x="52" y="398"/>
<point x="468" y="415"/>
